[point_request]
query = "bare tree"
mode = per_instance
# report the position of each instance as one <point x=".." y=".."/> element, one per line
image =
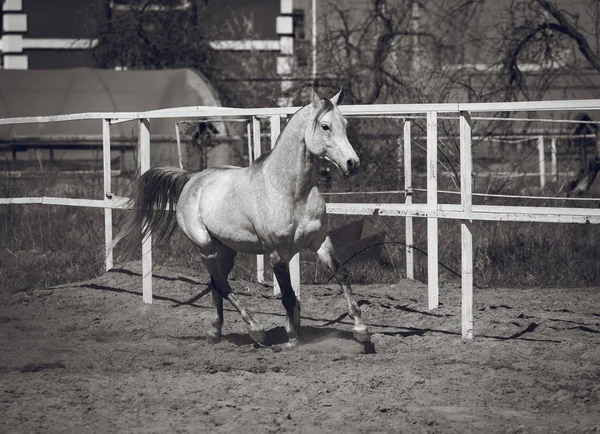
<point x="566" y="43"/>
<point x="444" y="50"/>
<point x="392" y="52"/>
<point x="247" y="79"/>
<point x="400" y="50"/>
<point x="545" y="33"/>
<point x="383" y="51"/>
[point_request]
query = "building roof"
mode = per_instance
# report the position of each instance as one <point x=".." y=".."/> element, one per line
<point x="80" y="90"/>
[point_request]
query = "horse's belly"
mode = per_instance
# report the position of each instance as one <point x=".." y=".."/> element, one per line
<point x="213" y="205"/>
<point x="233" y="229"/>
<point x="253" y="247"/>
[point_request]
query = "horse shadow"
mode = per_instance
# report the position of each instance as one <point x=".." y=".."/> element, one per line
<point x="277" y="336"/>
<point x="311" y="334"/>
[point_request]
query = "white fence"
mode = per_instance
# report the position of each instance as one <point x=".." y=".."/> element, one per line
<point x="432" y="210"/>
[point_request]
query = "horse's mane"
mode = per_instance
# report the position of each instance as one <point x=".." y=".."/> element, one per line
<point x="260" y="160"/>
<point x="326" y="107"/>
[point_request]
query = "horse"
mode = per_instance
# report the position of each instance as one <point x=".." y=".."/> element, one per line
<point x="271" y="207"/>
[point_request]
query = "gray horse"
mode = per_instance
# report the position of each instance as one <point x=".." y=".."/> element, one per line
<point x="271" y="207"/>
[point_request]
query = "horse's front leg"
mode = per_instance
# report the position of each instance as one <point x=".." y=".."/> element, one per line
<point x="289" y="300"/>
<point x="327" y="254"/>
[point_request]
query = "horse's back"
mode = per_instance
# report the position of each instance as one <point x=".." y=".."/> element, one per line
<point x="214" y="183"/>
<point x="221" y="202"/>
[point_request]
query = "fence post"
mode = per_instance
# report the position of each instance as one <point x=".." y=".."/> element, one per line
<point x="554" y="159"/>
<point x="144" y="144"/>
<point x="179" y="151"/>
<point x="108" y="222"/>
<point x="466" y="235"/>
<point x="542" y="161"/>
<point x="260" y="259"/>
<point x="410" y="268"/>
<point x="249" y="135"/>
<point x="275" y="124"/>
<point x="432" y="202"/>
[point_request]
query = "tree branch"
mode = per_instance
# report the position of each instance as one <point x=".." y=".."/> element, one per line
<point x="567" y="28"/>
<point x="381" y="52"/>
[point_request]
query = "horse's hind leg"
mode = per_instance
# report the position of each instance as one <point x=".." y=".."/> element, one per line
<point x="218" y="260"/>
<point x="226" y="261"/>
<point x="327" y="254"/>
<point x="214" y="334"/>
<point x="213" y="263"/>
<point x="289" y="300"/>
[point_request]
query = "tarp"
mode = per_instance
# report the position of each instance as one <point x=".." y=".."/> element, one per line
<point x="80" y="90"/>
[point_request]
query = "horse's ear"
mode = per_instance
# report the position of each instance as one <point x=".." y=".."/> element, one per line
<point x="316" y="99"/>
<point x="337" y="98"/>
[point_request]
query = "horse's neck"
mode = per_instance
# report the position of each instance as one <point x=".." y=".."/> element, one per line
<point x="290" y="165"/>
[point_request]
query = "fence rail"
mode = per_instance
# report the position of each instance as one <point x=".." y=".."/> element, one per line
<point x="466" y="212"/>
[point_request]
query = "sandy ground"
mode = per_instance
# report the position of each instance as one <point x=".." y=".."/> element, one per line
<point x="91" y="357"/>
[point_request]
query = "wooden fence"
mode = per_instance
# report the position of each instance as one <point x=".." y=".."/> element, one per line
<point x="432" y="209"/>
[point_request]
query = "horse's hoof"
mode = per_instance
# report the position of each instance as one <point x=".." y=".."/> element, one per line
<point x="362" y="335"/>
<point x="213" y="336"/>
<point x="258" y="336"/>
<point x="292" y="343"/>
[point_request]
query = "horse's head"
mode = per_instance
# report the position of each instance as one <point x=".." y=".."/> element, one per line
<point x="326" y="136"/>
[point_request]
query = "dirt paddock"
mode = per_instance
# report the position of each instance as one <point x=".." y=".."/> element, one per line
<point x="91" y="357"/>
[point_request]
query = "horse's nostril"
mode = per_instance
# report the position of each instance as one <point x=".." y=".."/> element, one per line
<point x="352" y="165"/>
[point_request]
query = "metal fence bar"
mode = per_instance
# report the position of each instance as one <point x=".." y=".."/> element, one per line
<point x="480" y="212"/>
<point x="117" y="202"/>
<point x="348" y="110"/>
<point x="532" y="214"/>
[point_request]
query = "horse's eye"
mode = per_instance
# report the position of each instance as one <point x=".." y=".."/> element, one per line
<point x="325" y="127"/>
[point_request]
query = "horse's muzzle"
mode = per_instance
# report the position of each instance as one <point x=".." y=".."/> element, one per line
<point x="352" y="166"/>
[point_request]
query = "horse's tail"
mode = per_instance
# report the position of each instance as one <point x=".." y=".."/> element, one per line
<point x="155" y="195"/>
